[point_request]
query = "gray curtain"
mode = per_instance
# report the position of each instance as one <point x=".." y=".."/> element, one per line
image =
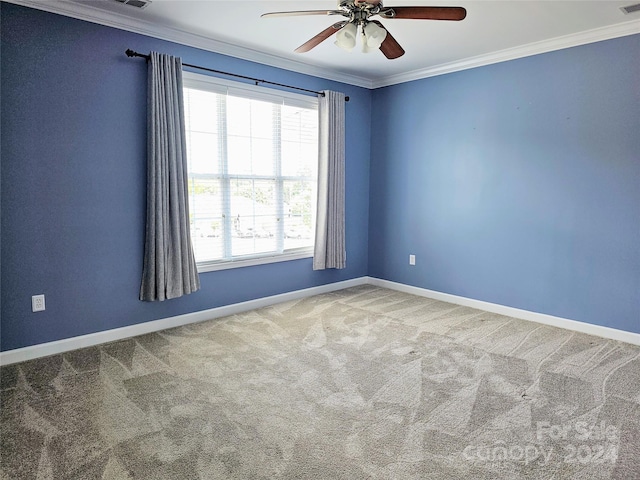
<point x="330" y="249"/>
<point x="169" y="269"/>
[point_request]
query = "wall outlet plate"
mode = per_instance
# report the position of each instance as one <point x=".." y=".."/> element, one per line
<point x="412" y="259"/>
<point x="37" y="303"/>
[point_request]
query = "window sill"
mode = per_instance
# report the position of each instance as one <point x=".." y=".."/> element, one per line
<point x="251" y="261"/>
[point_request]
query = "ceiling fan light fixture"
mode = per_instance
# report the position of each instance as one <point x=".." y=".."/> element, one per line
<point x="365" y="47"/>
<point x="346" y="37"/>
<point x="374" y="35"/>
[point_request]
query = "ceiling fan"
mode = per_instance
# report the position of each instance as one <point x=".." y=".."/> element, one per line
<point x="374" y="34"/>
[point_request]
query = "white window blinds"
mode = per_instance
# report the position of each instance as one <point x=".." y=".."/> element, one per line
<point x="252" y="164"/>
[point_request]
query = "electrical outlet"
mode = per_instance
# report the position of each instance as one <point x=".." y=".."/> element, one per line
<point x="37" y="303"/>
<point x="412" y="259"/>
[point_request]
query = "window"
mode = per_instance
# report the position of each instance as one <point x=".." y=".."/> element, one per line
<point x="252" y="157"/>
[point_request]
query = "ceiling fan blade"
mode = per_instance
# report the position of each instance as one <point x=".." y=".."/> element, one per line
<point x="425" y="13"/>
<point x="321" y="37"/>
<point x="390" y="46"/>
<point x="303" y="12"/>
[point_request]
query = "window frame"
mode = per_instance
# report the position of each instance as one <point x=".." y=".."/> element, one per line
<point x="223" y="86"/>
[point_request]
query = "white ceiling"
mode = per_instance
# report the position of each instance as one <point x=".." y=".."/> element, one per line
<point x="493" y="31"/>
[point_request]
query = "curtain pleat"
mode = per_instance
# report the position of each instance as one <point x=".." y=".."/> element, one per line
<point x="169" y="268"/>
<point x="329" y="250"/>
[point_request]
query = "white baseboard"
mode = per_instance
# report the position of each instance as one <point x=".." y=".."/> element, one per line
<point x="73" y="343"/>
<point x="588" y="328"/>
<point x="67" y="344"/>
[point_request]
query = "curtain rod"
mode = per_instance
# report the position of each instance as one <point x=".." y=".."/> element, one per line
<point x="131" y="53"/>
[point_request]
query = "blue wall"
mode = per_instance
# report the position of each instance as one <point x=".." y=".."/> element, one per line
<point x="516" y="183"/>
<point x="73" y="181"/>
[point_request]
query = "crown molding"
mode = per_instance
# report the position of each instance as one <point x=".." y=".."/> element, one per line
<point x="90" y="14"/>
<point x="110" y="19"/>
<point x="536" y="48"/>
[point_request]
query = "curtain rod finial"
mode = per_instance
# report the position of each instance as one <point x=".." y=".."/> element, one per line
<point x="133" y="53"/>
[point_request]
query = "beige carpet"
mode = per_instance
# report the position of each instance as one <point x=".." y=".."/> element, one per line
<point x="364" y="383"/>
